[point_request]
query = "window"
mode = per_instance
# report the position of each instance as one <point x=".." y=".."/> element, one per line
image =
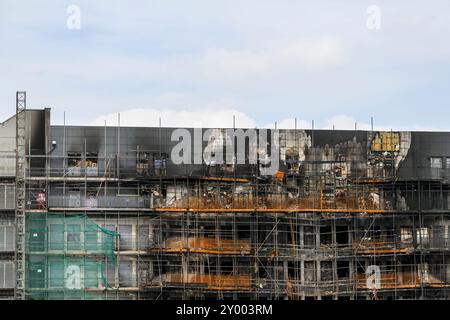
<point x="91" y="199"/>
<point x="91" y="275"/>
<point x="91" y="242"/>
<point x="325" y="235"/>
<point x="7" y="275"/>
<point x="142" y="163"/>
<point x="73" y="277"/>
<point x="110" y="270"/>
<point x="436" y="162"/>
<point x="447" y="163"/>
<point x="91" y="163"/>
<point x="226" y="266"/>
<point x="326" y="271"/>
<point x="126" y="274"/>
<point x="243" y="231"/>
<point x="226" y="232"/>
<point x="309" y="236"/>
<point x="112" y="227"/>
<point x="74" y="163"/>
<point x="7" y="240"/>
<point x="56" y="237"/>
<point x="423" y="236"/>
<point x="74" y="198"/>
<point x="56" y="272"/>
<point x="73" y="237"/>
<point x="159" y="164"/>
<point x="37" y="235"/>
<point x="36" y="275"/>
<point x="342" y="235"/>
<point x="310" y="272"/>
<point x="343" y="269"/>
<point x="7" y="196"/>
<point x="126" y="237"/>
<point x="406" y="235"/>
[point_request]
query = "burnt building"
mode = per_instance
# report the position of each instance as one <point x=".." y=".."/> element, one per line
<point x="159" y="213"/>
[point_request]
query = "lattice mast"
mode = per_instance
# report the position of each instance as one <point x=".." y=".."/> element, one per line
<point x="19" y="292"/>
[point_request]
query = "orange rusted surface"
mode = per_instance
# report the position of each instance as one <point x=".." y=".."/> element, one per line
<point x="211" y="282"/>
<point x="207" y="245"/>
<point x="342" y="202"/>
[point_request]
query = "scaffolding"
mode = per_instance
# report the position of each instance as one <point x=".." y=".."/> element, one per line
<point x="335" y="222"/>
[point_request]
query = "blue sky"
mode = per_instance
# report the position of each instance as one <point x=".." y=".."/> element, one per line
<point x="200" y="62"/>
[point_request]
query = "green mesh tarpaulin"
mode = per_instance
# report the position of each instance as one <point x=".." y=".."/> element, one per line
<point x="68" y="257"/>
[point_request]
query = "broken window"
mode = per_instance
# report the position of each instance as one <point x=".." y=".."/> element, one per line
<point x="326" y="271"/>
<point x="226" y="232"/>
<point x="209" y="231"/>
<point x="293" y="233"/>
<point x="159" y="164"/>
<point x="226" y="266"/>
<point x="406" y="235"/>
<point x="310" y="272"/>
<point x="343" y="269"/>
<point x="325" y="235"/>
<point x="293" y="270"/>
<point x="342" y="234"/>
<point x="292" y="162"/>
<point x="91" y="198"/>
<point x="243" y="231"/>
<point x="91" y="163"/>
<point x="423" y="237"/>
<point x="73" y="163"/>
<point x="309" y="237"/>
<point x="142" y="163"/>
<point x="436" y="162"/>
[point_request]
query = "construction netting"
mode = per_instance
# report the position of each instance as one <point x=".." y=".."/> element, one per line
<point x="68" y="257"/>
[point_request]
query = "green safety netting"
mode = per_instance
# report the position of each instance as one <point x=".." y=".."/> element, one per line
<point x="68" y="257"/>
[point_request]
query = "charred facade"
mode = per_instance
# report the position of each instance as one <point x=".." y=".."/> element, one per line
<point x="346" y="215"/>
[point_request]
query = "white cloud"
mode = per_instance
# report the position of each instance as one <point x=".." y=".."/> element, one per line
<point x="289" y="123"/>
<point x="218" y="117"/>
<point x="148" y="117"/>
<point x="346" y="122"/>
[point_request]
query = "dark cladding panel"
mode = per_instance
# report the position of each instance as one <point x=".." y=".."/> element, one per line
<point x="353" y="145"/>
<point x="424" y="147"/>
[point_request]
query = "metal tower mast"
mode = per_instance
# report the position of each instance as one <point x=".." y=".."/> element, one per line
<point x="19" y="292"/>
